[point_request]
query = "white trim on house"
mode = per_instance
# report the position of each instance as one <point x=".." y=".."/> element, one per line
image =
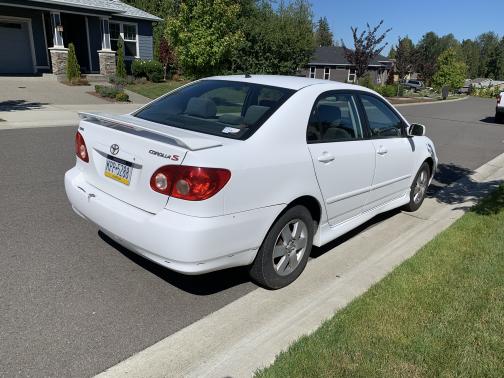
<point x="28" y="21"/>
<point x="313" y="74"/>
<point x="45" y="43"/>
<point x="328" y="73"/>
<point x="121" y="33"/>
<point x="354" y="75"/>
<point x="88" y="45"/>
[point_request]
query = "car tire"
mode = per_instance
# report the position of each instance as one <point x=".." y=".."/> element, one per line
<point x="284" y="252"/>
<point x="418" y="188"/>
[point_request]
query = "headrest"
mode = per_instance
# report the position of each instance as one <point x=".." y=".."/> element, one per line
<point x="254" y="113"/>
<point x="329" y="113"/>
<point x="269" y="103"/>
<point x="201" y="107"/>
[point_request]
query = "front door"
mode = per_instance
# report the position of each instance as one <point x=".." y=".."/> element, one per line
<point x="75" y="31"/>
<point x="343" y="160"/>
<point x="393" y="151"/>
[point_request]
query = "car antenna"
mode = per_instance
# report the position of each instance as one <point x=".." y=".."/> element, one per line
<point x="247" y="75"/>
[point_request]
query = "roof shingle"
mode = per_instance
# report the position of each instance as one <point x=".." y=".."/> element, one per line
<point x="115" y="7"/>
<point x="331" y="55"/>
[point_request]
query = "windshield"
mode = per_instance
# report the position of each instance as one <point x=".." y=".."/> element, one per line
<point x="229" y="109"/>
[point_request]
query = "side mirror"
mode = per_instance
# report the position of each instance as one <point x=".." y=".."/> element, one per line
<point x="416" y="129"/>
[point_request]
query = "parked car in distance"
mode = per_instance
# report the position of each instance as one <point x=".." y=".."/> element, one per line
<point x="499" y="108"/>
<point x="247" y="171"/>
<point x="413" y="84"/>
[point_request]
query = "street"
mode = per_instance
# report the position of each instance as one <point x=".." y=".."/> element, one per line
<point x="73" y="303"/>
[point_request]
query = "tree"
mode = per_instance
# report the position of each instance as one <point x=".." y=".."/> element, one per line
<point x="366" y="47"/>
<point x="489" y="46"/>
<point x="451" y="71"/>
<point x="392" y="53"/>
<point x="73" y="68"/>
<point x="277" y="41"/>
<point x="323" y="34"/>
<point x="204" y="34"/>
<point x="404" y="57"/>
<point x="471" y="56"/>
<point x="426" y="53"/>
<point x="120" y="67"/>
<point x="166" y="56"/>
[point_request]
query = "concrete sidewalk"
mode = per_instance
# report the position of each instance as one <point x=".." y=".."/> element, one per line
<point x="248" y="333"/>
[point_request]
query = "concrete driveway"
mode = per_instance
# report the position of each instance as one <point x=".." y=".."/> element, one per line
<point x="42" y="101"/>
<point x="73" y="303"/>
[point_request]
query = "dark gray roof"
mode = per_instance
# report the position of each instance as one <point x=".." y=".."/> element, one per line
<point x="115" y="7"/>
<point x="330" y="55"/>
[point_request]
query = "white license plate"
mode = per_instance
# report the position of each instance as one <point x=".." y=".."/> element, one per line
<point x="119" y="170"/>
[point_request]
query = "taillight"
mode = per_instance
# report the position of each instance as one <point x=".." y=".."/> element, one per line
<point x="80" y="148"/>
<point x="189" y="183"/>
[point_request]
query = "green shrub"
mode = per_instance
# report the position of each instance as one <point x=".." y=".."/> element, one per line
<point x="73" y="68"/>
<point x="366" y="81"/>
<point x="121" y="96"/>
<point x="155" y="77"/>
<point x="106" y="91"/>
<point x="120" y="67"/>
<point x="147" y="68"/>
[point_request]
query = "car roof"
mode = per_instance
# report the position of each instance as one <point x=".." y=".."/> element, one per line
<point x="290" y="82"/>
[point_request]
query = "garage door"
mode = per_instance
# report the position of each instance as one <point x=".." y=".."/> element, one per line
<point x="16" y="56"/>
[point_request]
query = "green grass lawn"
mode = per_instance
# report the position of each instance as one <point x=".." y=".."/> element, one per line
<point x="154" y="90"/>
<point x="441" y="313"/>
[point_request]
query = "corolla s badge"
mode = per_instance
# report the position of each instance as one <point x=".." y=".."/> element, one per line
<point x="114" y="149"/>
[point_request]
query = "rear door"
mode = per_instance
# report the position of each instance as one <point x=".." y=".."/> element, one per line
<point x="342" y="158"/>
<point x="393" y="151"/>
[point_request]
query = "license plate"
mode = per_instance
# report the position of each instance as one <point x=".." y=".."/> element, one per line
<point x="118" y="169"/>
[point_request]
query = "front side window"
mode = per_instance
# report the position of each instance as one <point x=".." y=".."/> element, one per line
<point x="334" y="118"/>
<point x="229" y="109"/>
<point x="128" y="32"/>
<point x="383" y="122"/>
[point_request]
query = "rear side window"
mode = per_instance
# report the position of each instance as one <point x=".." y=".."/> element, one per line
<point x="334" y="118"/>
<point x="383" y="122"/>
<point x="229" y="109"/>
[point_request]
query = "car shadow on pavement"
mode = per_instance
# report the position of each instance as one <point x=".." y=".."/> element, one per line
<point x="491" y="120"/>
<point x="16" y="105"/>
<point x="453" y="185"/>
<point x="203" y="284"/>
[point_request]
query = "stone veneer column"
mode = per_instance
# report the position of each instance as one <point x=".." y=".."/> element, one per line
<point x="107" y="62"/>
<point x="59" y="56"/>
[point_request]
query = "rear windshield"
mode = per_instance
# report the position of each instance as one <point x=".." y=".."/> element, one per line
<point x="225" y="108"/>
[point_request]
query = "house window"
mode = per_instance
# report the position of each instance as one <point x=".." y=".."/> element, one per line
<point x="351" y="75"/>
<point x="312" y="72"/>
<point x="128" y="32"/>
<point x="327" y="73"/>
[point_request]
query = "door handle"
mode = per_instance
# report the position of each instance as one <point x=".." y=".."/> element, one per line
<point x="326" y="158"/>
<point x="382" y="151"/>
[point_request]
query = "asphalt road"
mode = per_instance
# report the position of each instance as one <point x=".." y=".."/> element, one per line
<point x="72" y="303"/>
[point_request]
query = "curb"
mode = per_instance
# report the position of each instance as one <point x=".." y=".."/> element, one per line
<point x="431" y="102"/>
<point x="248" y="333"/>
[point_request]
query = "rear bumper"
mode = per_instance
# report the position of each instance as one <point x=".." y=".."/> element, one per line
<point x="186" y="244"/>
<point x="499" y="109"/>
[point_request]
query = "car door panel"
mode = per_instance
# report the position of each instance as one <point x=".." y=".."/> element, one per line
<point x="342" y="159"/>
<point x="394" y="152"/>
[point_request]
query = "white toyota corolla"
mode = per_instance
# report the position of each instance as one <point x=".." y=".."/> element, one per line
<point x="247" y="170"/>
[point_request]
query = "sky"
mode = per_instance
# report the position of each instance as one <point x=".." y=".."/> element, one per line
<point x="466" y="19"/>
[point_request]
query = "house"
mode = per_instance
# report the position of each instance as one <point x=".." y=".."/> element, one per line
<point x="34" y="35"/>
<point x="329" y="62"/>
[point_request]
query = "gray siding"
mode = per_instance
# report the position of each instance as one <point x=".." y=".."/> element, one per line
<point x="145" y="47"/>
<point x="37" y="31"/>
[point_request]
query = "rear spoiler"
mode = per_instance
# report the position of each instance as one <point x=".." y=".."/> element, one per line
<point x="139" y="130"/>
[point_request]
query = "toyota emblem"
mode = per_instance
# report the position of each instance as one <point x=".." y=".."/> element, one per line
<point x="114" y="149"/>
